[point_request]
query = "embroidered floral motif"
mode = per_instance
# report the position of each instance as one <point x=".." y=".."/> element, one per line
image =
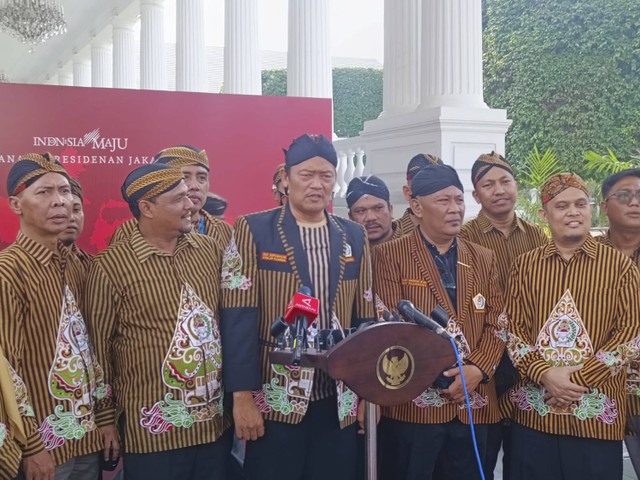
<point x="103" y="391"/>
<point x="260" y="399"/>
<point x="563" y="340"/>
<point x="381" y="308"/>
<point x="622" y="357"/>
<point x="347" y="401"/>
<point x="74" y="378"/>
<point x="591" y="405"/>
<point x="461" y="341"/>
<point x="476" y="401"/>
<point x="596" y="405"/>
<point x="368" y="295"/>
<point x="193" y="363"/>
<point x="61" y="426"/>
<point x="24" y="406"/>
<point x="192" y="368"/>
<point x="231" y="274"/>
<point x="517" y="349"/>
<point x="3" y="433"/>
<point x="530" y="397"/>
<point x="289" y="397"/>
<point x="502" y="332"/>
<point x="276" y="398"/>
<point x="429" y="398"/>
<point x="165" y="415"/>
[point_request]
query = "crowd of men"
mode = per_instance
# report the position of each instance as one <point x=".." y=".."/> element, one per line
<point x="156" y="350"/>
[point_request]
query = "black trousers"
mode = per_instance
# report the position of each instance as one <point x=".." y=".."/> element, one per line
<point x="498" y="435"/>
<point x="409" y="451"/>
<point x="538" y="455"/>
<point x="314" y="449"/>
<point x="199" y="462"/>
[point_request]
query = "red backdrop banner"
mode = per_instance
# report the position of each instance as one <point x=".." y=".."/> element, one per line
<point x="100" y="135"/>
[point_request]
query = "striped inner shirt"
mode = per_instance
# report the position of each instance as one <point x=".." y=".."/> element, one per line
<point x="315" y="240"/>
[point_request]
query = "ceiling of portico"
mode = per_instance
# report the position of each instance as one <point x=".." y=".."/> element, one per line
<point x="85" y="19"/>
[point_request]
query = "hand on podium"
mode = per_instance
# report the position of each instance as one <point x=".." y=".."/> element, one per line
<point x="246" y="416"/>
<point x="472" y="376"/>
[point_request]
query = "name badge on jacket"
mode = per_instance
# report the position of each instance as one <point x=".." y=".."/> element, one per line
<point x="479" y="303"/>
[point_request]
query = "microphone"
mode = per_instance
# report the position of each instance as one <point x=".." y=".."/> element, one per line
<point x="302" y="310"/>
<point x="440" y="316"/>
<point x="278" y="327"/>
<point x="409" y="310"/>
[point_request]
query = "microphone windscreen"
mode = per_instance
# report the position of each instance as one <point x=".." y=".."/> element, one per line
<point x="406" y="308"/>
<point x="304" y="290"/>
<point x="440" y="315"/>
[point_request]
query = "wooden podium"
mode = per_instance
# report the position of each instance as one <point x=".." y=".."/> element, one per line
<point x="388" y="363"/>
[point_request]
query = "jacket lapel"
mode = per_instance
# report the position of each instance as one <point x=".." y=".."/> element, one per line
<point x="466" y="280"/>
<point x="429" y="272"/>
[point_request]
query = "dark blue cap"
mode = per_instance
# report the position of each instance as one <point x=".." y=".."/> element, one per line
<point x="369" y="185"/>
<point x="309" y="146"/>
<point x="433" y="178"/>
<point x="420" y="161"/>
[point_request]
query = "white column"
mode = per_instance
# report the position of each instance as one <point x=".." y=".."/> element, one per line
<point x="309" y="53"/>
<point x="153" y="72"/>
<point x="123" y="53"/>
<point x="191" y="59"/>
<point x="241" y="52"/>
<point x="401" y="73"/>
<point x="101" y="65"/>
<point x="451" y="54"/>
<point x="65" y="78"/>
<point x="81" y="70"/>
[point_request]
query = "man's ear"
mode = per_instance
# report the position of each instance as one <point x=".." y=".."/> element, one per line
<point x="542" y="213"/>
<point x="284" y="177"/>
<point x="416" y="208"/>
<point x="15" y="205"/>
<point x="146" y="208"/>
<point x="406" y="191"/>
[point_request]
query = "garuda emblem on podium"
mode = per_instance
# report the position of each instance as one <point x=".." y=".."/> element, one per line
<point x="395" y="367"/>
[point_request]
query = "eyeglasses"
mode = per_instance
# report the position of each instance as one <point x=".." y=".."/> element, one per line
<point x="446" y="277"/>
<point x="623" y="197"/>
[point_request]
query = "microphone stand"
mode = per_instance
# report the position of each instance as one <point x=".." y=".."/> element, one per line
<point x="371" y="439"/>
<point x="300" y="340"/>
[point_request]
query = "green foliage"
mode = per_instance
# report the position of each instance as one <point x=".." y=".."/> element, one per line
<point x="607" y="163"/>
<point x="535" y="171"/>
<point x="357" y="96"/>
<point x="568" y="73"/>
<point x="538" y="168"/>
<point x="274" y="82"/>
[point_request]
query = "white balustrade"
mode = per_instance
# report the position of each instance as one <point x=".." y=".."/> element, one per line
<point x="351" y="163"/>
